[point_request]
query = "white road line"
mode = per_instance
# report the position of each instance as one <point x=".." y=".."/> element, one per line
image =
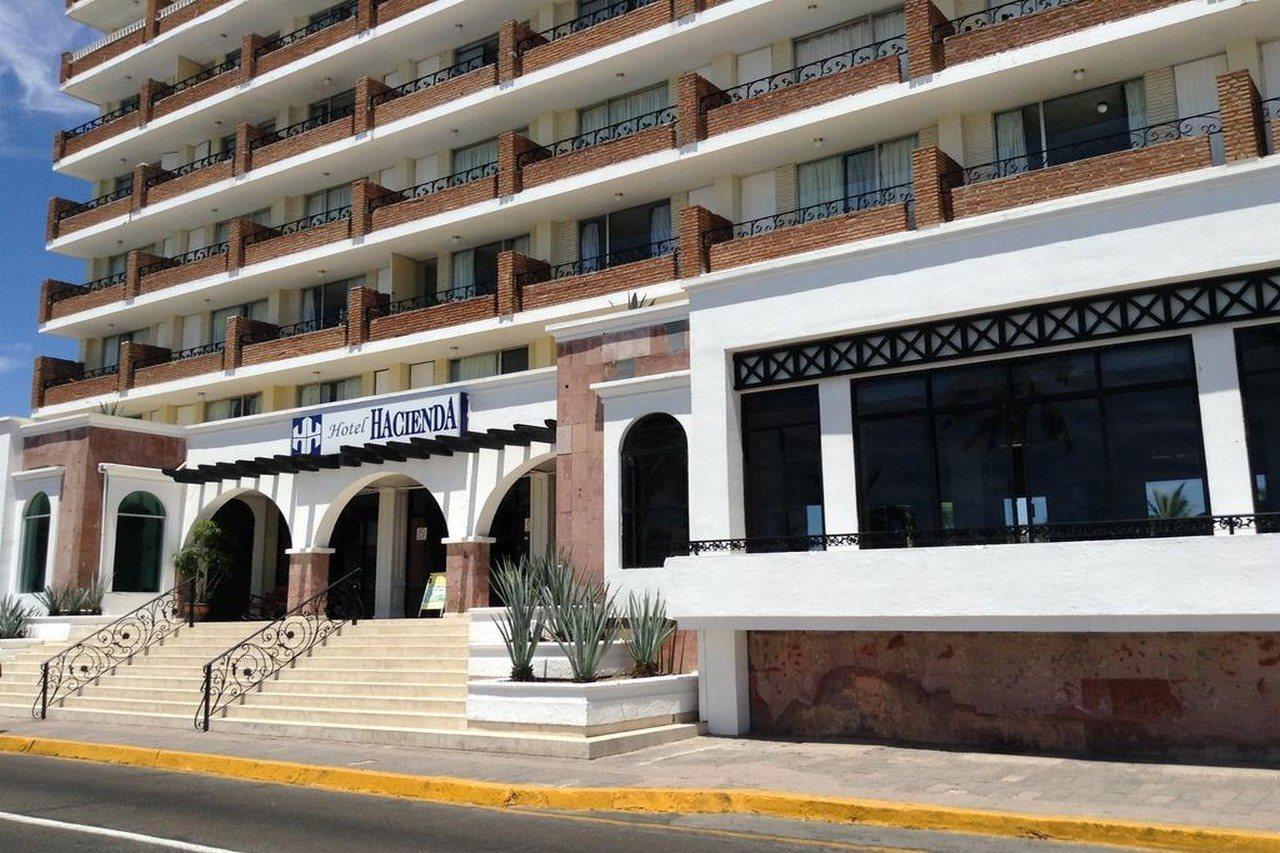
<point x="111" y="833"/>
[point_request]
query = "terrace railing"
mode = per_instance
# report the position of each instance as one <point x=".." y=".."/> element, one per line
<point x="900" y="194"/>
<point x="585" y="266"/>
<point x="580" y="23"/>
<point x="609" y="133"/>
<point x="457" y="179"/>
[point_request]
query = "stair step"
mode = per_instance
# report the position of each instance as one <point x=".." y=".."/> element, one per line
<point x="437" y="689"/>
<point x="93" y="701"/>
<point x="392" y="719"/>
<point x="456" y="705"/>
<point x="309" y="672"/>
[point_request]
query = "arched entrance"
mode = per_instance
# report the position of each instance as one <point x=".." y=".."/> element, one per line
<point x="524" y="522"/>
<point x="257" y="537"/>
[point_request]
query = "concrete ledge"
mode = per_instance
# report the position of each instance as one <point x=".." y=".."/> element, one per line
<point x="586" y="709"/>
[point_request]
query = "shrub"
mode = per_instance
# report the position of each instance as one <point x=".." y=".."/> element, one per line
<point x="650" y="630"/>
<point x="205" y="559"/>
<point x="14" y="616"/>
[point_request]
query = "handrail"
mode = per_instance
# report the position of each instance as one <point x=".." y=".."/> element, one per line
<point x="87" y="287"/>
<point x="330" y="17"/>
<point x="113" y="645"/>
<point x="83" y="376"/>
<point x="195" y="79"/>
<point x="488" y="56"/>
<point x="608" y="260"/>
<point x="330" y="320"/>
<point x="996" y="15"/>
<point x="195" y="255"/>
<point x="306" y="223"/>
<point x="163" y="176"/>
<point x="609" y="133"/>
<point x="580" y="23"/>
<point x="461" y="293"/>
<point x="132" y="105"/>
<point x="174" y="7"/>
<point x="110" y="38"/>
<point x="84" y="206"/>
<point x="899" y="194"/>
<point x="457" y="179"/>
<point x="265" y="652"/>
<point x="179" y="355"/>
<point x="327" y="117"/>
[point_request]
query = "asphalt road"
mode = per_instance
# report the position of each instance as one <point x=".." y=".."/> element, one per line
<point x="53" y="804"/>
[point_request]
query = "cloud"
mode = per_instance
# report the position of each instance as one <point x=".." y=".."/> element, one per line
<point x="33" y="34"/>
<point x="14" y="357"/>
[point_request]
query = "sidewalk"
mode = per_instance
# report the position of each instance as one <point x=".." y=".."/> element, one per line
<point x="1240" y="798"/>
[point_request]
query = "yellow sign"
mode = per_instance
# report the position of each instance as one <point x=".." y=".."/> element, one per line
<point x="433" y="595"/>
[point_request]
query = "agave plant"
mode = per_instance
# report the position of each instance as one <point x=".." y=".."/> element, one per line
<point x="521" y="622"/>
<point x="90" y="602"/>
<point x="14" y="616"/>
<point x="583" y="620"/>
<point x="56" y="600"/>
<point x="650" y="630"/>
<point x="1169" y="504"/>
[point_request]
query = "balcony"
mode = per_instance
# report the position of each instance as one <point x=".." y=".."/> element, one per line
<point x="67" y="215"/>
<point x="156" y="273"/>
<point x="337" y="24"/>
<point x="266" y="147"/>
<point x="166" y="366"/>
<point x="125" y="117"/>
<point x="388" y="208"/>
<point x="539" y="284"/>
<point x="448" y="84"/>
<point x="585" y="152"/>
<point x="613" y="23"/>
<point x="317" y="229"/>
<point x="265" y="342"/>
<point x="162" y="184"/>
<point x="133" y="35"/>
<point x="203" y="84"/>
<point x="453" y="307"/>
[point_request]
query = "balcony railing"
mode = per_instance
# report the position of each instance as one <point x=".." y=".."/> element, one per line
<point x="109" y="38"/>
<point x="302" y="327"/>
<point x="180" y="355"/>
<point x="900" y="194"/>
<point x="88" y="287"/>
<point x="196" y="79"/>
<point x="461" y="293"/>
<point x="599" y="136"/>
<point x="457" y="179"/>
<point x="175" y="6"/>
<point x="83" y="207"/>
<point x="128" y="107"/>
<point x="297" y="226"/>
<point x="580" y="23"/>
<point x="996" y="15"/>
<point x="85" y="376"/>
<point x="1142" y="528"/>
<point x="1169" y="131"/>
<point x="585" y="266"/>
<point x="896" y="46"/>
<point x="330" y="18"/>
<point x="165" y="175"/>
<point x="194" y="256"/>
<point x="328" y="116"/>
<point x="488" y="57"/>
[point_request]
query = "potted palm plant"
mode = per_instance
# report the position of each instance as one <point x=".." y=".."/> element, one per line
<point x="204" y="564"/>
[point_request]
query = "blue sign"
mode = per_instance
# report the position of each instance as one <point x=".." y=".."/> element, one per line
<point x="307" y="433"/>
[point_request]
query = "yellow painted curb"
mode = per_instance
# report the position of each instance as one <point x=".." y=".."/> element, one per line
<point x="442" y="789"/>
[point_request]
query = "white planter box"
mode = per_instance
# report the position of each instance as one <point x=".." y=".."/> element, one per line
<point x="597" y="708"/>
<point x="490" y="660"/>
<point x="60" y="628"/>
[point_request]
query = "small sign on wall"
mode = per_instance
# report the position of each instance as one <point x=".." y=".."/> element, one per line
<point x="434" y="595"/>
<point x="421" y="534"/>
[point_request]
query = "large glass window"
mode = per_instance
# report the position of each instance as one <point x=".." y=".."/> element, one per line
<point x="488" y="364"/>
<point x="325" y="303"/>
<point x="1084" y="436"/>
<point x="218" y="321"/>
<point x="655" y="491"/>
<point x="782" y="466"/>
<point x="35" y="543"/>
<point x="233" y="407"/>
<point x="112" y="343"/>
<point x="846" y="182"/>
<point x="139" y="543"/>
<point x="1259" y="355"/>
<point x="1070" y="128"/>
<point x="330" y="392"/>
<point x="623" y="108"/>
<point x="475" y="271"/>
<point x="623" y="236"/>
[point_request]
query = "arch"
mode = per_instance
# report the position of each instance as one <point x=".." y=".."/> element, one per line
<point x="489" y="509"/>
<point x="36" y="519"/>
<point x="210" y="509"/>
<point x="654" y="483"/>
<point x="140" y="523"/>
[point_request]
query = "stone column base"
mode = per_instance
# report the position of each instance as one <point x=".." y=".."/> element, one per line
<point x="308" y="573"/>
<point x="466" y="573"/>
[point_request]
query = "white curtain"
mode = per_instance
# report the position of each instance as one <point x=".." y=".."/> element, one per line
<point x="464" y="268"/>
<point x="1135" y="99"/>
<point x="311" y="304"/>
<point x="1011" y="141"/>
<point x="593" y="118"/>
<point x="860" y="173"/>
<point x="475" y="155"/>
<point x="660" y="224"/>
<point x="891" y="25"/>
<point x="1196" y="86"/>
<point x="637" y="104"/>
<point x="832" y="42"/>
<point x="895" y="162"/>
<point x="309" y="395"/>
<point x="589" y="241"/>
<point x="820" y="182"/>
<point x="473" y="367"/>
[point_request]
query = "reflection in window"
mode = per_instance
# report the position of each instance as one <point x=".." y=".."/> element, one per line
<point x="655" y="491"/>
<point x="485" y="364"/>
<point x="331" y="392"/>
<point x="35" y="543"/>
<point x="782" y="465"/>
<point x="1259" y="355"/>
<point x="233" y="407"/>
<point x="139" y="543"/>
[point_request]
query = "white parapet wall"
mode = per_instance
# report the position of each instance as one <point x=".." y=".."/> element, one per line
<point x="595" y="708"/>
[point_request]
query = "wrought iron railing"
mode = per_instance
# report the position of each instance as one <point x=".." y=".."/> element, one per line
<point x="165" y="175"/>
<point x="461" y="293"/>
<point x="896" y="46"/>
<point x="112" y="645"/>
<point x="83" y="376"/>
<point x="1206" y="124"/>
<point x="128" y="107"/>
<point x="599" y="136"/>
<point x="329" y="18"/>
<point x="328" y="320"/>
<point x="1142" y="528"/>
<point x="659" y="249"/>
<point x="196" y="79"/>
<point x="297" y="226"/>
<point x="241" y="668"/>
<point x="996" y="15"/>
<point x="88" y="287"/>
<point x="580" y="23"/>
<point x="85" y="206"/>
<point x="320" y="120"/>
<point x="194" y="256"/>
<point x="489" y="56"/>
<point x="900" y="194"/>
<point x="179" y="355"/>
<point x="457" y="179"/>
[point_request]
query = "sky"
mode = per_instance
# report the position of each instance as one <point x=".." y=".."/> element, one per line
<point x="33" y="34"/>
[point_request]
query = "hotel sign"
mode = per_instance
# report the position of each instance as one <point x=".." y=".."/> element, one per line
<point x="424" y="417"/>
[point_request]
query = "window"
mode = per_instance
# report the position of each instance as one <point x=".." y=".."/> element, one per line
<point x="336" y="391"/>
<point x="782" y="466"/>
<point x="845" y="182"/>
<point x="139" y="543"/>
<point x="624" y="108"/>
<point x="117" y="264"/>
<point x="1070" y="128"/>
<point x="333" y="198"/>
<point x="475" y="271"/>
<point x="488" y="364"/>
<point x="476" y="54"/>
<point x="222" y="231"/>
<point x="233" y="407"/>
<point x="473" y="157"/>
<point x="834" y="43"/>
<point x="1083" y="436"/>
<point x="251" y="310"/>
<point x="112" y="343"/>
<point x="655" y="491"/>
<point x="334" y="106"/>
<point x="1259" y="355"/>
<point x="325" y="303"/>
<point x="624" y="236"/>
<point x="35" y="543"/>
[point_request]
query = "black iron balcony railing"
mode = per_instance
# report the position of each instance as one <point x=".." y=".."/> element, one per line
<point x="1142" y="528"/>
<point x="88" y="287"/>
<point x="85" y="206"/>
<point x="580" y="23"/>
<point x="460" y="293"/>
<point x="297" y="226"/>
<point x="328" y="320"/>
<point x="584" y="266"/>
<point x="1270" y="115"/>
<point x="896" y="46"/>
<point x="195" y="255"/>
<point x="85" y="376"/>
<point x="996" y="15"/>
<point x="196" y="79"/>
<point x="165" y="175"/>
<point x="319" y="120"/>
<point x="179" y="355"/>
<point x="489" y="56"/>
<point x="329" y="18"/>
<point x="1206" y="124"/>
<point x="457" y="179"/>
<point x="129" y="106"/>
<point x="900" y="194"/>
<point x="599" y="136"/>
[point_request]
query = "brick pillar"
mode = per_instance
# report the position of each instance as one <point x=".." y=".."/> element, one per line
<point x="509" y="36"/>
<point x="243" y="162"/>
<point x="925" y="53"/>
<point x="237" y="328"/>
<point x="511" y="266"/>
<point x="248" y="59"/>
<point x="363" y="192"/>
<point x="141" y="173"/>
<point x="308" y="573"/>
<point x="466" y="570"/>
<point x="366" y="88"/>
<point x="934" y="174"/>
<point x="240" y="230"/>
<point x="47" y="367"/>
<point x="510" y="147"/>
<point x="695" y="255"/>
<point x="52" y="225"/>
<point x="147" y="99"/>
<point x="692" y="119"/>
<point x="684" y="8"/>
<point x="366" y="15"/>
<point x="134" y="263"/>
<point x="48" y="290"/>
<point x="64" y="67"/>
<point x="360" y="301"/>
<point x="59" y="145"/>
<point x="130" y="354"/>
<point x="151" y="23"/>
<point x="1240" y="105"/>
